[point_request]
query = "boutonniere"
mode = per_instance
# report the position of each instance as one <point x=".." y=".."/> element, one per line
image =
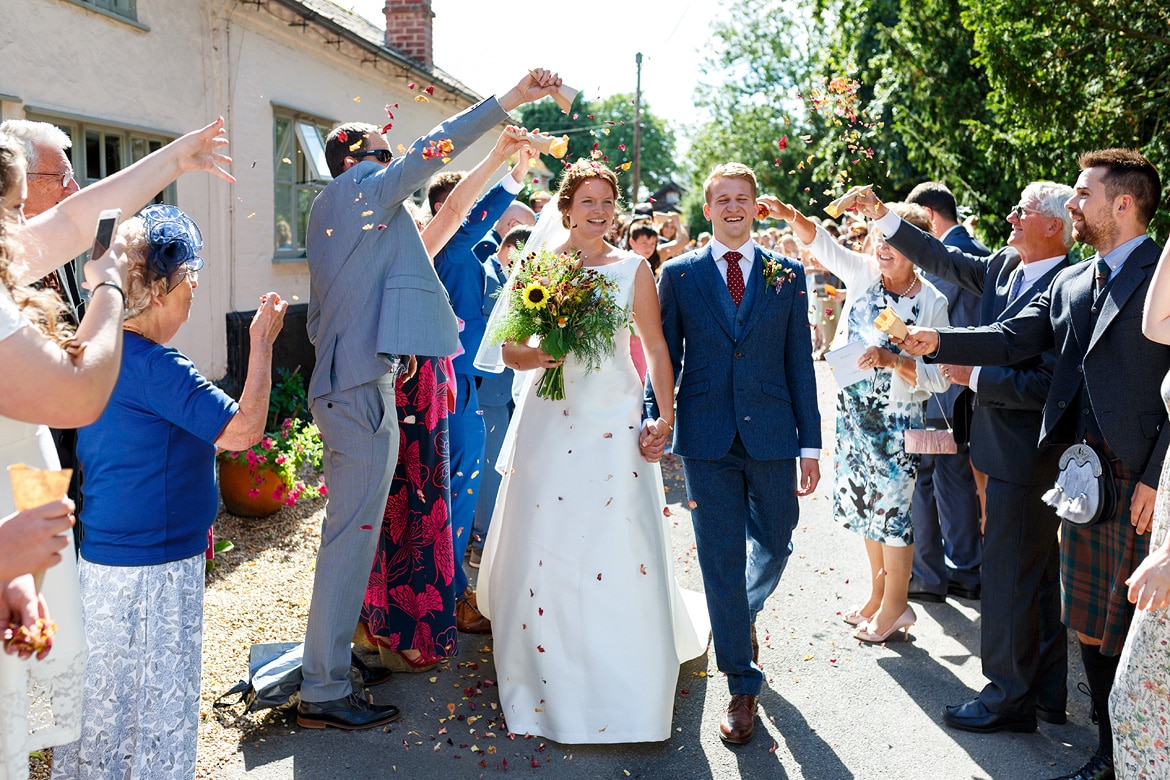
<point x="776" y="275"/>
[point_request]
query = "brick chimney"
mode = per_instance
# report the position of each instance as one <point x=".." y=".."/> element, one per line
<point x="410" y="28"/>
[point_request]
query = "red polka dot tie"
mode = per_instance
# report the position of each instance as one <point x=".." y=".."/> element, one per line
<point x="734" y="276"/>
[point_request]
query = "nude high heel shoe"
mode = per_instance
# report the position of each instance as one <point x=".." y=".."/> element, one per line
<point x="903" y="623"/>
<point x="855" y="618"/>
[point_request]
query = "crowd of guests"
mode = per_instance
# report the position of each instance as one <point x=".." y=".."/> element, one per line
<point x="438" y="449"/>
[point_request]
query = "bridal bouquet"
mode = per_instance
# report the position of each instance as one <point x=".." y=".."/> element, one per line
<point x="571" y="308"/>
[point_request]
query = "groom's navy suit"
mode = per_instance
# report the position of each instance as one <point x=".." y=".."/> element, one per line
<point x="1023" y="644"/>
<point x="746" y="407"/>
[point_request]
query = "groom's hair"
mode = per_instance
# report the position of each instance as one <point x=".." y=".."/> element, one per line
<point x="731" y="170"/>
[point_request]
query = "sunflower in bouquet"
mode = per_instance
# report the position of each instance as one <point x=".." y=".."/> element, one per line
<point x="573" y="309"/>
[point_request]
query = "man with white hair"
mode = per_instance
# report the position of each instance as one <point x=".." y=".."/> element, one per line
<point x="1023" y="644"/>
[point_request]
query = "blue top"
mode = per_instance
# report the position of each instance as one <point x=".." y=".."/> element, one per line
<point x="149" y="460"/>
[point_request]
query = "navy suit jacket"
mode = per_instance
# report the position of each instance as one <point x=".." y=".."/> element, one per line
<point x="750" y="373"/>
<point x="1005" y="425"/>
<point x="1098" y="344"/>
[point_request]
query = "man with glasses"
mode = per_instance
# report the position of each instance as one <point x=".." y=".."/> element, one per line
<point x="375" y="301"/>
<point x="1023" y="643"/>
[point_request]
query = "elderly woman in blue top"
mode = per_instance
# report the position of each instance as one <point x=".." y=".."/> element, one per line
<point x="150" y="498"/>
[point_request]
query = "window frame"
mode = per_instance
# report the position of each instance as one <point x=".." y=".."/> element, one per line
<point x="299" y="174"/>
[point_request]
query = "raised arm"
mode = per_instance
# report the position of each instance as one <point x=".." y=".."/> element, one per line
<point x="247" y="425"/>
<point x="54" y="237"/>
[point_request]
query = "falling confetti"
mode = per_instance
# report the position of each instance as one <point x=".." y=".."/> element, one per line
<point x="421" y="99"/>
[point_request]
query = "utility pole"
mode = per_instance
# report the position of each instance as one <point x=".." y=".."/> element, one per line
<point x="637" y="133"/>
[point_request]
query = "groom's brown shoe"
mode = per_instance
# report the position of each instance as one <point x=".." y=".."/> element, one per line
<point x="739" y="719"/>
<point x="468" y="618"/>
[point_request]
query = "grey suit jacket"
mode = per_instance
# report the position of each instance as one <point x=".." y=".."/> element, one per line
<point x="1099" y="344"/>
<point x="1005" y="425"/>
<point x="373" y="289"/>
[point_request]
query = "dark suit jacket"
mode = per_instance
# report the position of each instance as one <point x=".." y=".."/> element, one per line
<point x="754" y="377"/>
<point x="1105" y="350"/>
<point x="1005" y="426"/>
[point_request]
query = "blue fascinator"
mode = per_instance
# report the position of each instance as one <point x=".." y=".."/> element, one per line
<point x="173" y="239"/>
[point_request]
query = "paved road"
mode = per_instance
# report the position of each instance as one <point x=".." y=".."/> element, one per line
<point x="832" y="709"/>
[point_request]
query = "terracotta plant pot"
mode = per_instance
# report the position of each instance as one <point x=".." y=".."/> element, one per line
<point x="236" y="483"/>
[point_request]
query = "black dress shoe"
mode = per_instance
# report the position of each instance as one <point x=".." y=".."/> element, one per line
<point x="925" y="595"/>
<point x="1051" y="715"/>
<point x="1098" y="768"/>
<point x="974" y="716"/>
<point x="351" y="713"/>
<point x="371" y="675"/>
<point x="965" y="591"/>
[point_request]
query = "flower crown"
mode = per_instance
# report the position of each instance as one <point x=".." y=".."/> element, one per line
<point x="173" y="239"/>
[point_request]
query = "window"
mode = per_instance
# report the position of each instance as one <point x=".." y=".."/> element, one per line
<point x="300" y="172"/>
<point x="126" y="8"/>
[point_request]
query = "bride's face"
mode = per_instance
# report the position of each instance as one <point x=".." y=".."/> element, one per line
<point x="592" y="208"/>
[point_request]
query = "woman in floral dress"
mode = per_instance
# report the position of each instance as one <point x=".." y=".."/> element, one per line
<point x="1139" y="702"/>
<point x="874" y="475"/>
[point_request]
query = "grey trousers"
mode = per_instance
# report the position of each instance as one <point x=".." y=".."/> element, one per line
<point x="359" y="430"/>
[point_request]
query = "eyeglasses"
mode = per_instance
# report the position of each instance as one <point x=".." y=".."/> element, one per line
<point x="65" y="177"/>
<point x="382" y="155"/>
<point x="189" y="271"/>
<point x="1018" y="211"/>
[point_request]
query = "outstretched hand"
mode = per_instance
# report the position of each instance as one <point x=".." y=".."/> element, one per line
<point x="201" y="150"/>
<point x="537" y="83"/>
<point x="868" y="204"/>
<point x="269" y="319"/>
<point x="777" y="209"/>
<point x="920" y="341"/>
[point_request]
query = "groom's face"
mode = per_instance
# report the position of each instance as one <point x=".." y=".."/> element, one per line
<point x="731" y="207"/>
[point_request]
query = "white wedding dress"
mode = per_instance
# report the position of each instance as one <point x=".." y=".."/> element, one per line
<point x="588" y="624"/>
<point x="40" y="701"/>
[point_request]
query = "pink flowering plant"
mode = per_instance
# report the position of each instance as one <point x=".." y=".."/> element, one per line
<point x="289" y="449"/>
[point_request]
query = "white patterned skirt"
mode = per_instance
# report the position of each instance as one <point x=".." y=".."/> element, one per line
<point x="140" y="716"/>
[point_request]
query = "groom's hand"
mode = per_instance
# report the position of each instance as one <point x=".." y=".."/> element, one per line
<point x="537" y="83"/>
<point x="810" y="475"/>
<point x="652" y="442"/>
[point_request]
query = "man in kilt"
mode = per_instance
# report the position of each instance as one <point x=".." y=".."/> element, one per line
<point x="1105" y="391"/>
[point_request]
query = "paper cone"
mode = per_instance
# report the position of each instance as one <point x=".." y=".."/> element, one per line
<point x="564" y="97"/>
<point x="36" y="487"/>
<point x="846" y="201"/>
<point x="891" y="323"/>
<point x="549" y="144"/>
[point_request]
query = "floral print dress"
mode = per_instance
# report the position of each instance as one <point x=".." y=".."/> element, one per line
<point x="1139" y="703"/>
<point x="410" y="599"/>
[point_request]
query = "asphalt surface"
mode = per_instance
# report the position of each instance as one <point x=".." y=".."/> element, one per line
<point x="832" y="708"/>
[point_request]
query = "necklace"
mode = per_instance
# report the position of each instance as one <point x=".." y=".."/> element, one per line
<point x="904" y="293"/>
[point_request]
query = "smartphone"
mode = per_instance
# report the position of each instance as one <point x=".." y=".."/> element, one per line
<point x="107" y="223"/>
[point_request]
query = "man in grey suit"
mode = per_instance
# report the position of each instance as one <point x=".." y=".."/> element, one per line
<point x="1023" y="643"/>
<point x="1105" y="391"/>
<point x="375" y="302"/>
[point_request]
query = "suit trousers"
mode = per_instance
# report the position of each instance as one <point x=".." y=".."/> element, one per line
<point x="1023" y="642"/>
<point x="947" y="542"/>
<point x="495" y="423"/>
<point x="359" y="431"/>
<point x="737" y="501"/>
<point x="466" y="446"/>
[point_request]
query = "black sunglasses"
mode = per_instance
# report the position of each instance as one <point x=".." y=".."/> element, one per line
<point x="383" y="155"/>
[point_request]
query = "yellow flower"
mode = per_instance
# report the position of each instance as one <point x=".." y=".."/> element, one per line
<point x="535" y="296"/>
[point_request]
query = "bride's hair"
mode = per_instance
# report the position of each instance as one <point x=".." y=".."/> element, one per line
<point x="577" y="174"/>
<point x="42" y="308"/>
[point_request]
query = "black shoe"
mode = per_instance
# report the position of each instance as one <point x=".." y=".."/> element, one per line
<point x="351" y="713"/>
<point x="974" y="716"/>
<point x="1098" y="768"/>
<point x="918" y="594"/>
<point x="371" y="675"/>
<point x="1051" y="715"/>
<point x="964" y="591"/>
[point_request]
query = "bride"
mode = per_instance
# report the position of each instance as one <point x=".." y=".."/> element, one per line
<point x="589" y="625"/>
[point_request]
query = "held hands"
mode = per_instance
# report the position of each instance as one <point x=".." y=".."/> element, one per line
<point x="200" y="150"/>
<point x="652" y="440"/>
<point x="268" y="320"/>
<point x="920" y="341"/>
<point x="537" y="83"/>
<point x="32" y="540"/>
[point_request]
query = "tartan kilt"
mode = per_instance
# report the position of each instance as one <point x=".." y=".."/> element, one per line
<point x="1096" y="560"/>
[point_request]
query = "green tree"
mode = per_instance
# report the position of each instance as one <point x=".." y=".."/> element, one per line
<point x="607" y="128"/>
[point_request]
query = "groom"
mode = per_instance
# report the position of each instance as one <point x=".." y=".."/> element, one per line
<point x="735" y="317"/>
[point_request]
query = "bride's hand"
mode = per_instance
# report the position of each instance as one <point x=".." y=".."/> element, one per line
<point x="522" y="357"/>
